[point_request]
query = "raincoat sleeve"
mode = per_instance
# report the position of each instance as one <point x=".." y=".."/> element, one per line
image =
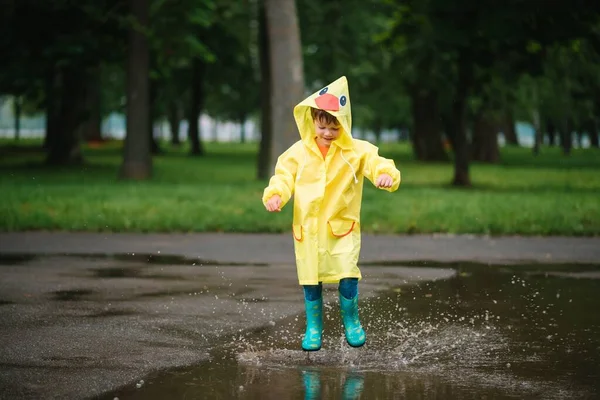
<point x="376" y="165"/>
<point x="282" y="183"/>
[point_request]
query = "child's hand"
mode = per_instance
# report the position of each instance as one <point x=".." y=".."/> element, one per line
<point x="274" y="203"/>
<point x="384" y="181"/>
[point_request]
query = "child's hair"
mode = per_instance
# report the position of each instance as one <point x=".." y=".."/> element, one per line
<point x="323" y="116"/>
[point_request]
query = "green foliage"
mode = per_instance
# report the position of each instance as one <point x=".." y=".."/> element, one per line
<point x="342" y="38"/>
<point x="175" y="33"/>
<point x="35" y="44"/>
<point x="232" y="82"/>
<point x="547" y="195"/>
<point x="539" y="59"/>
<point x="568" y="88"/>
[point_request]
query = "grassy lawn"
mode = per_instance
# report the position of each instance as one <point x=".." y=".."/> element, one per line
<point x="546" y="195"/>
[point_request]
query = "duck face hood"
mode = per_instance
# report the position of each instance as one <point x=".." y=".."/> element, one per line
<point x="334" y="99"/>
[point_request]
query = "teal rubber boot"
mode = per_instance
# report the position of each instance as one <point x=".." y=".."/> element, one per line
<point x="314" y="325"/>
<point x="355" y="334"/>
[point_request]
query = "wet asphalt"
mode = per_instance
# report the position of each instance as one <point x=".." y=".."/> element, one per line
<point x="84" y="313"/>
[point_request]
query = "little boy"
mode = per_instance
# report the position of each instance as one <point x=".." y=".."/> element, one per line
<point x="324" y="171"/>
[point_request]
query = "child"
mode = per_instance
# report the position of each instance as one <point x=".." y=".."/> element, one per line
<point x="324" y="171"/>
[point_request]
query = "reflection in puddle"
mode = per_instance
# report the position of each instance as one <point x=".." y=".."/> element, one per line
<point x="485" y="333"/>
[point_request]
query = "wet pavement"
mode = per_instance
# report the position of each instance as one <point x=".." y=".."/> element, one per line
<point x="190" y="318"/>
<point x="483" y="333"/>
<point x="278" y="248"/>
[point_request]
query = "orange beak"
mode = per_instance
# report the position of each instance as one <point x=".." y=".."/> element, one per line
<point x="328" y="102"/>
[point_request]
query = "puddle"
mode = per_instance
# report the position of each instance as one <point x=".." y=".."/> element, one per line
<point x="493" y="333"/>
<point x="15" y="259"/>
<point x="117" y="272"/>
<point x="152" y="259"/>
<point x="71" y="295"/>
<point x="111" y="313"/>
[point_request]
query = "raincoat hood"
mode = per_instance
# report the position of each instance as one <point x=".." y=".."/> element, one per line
<point x="334" y="99"/>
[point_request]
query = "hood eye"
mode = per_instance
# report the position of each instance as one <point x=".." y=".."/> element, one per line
<point x="343" y="101"/>
<point x="323" y="91"/>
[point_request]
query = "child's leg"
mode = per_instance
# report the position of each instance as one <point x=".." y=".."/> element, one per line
<point x="355" y="334"/>
<point x="313" y="304"/>
<point x="312" y="292"/>
<point x="349" y="287"/>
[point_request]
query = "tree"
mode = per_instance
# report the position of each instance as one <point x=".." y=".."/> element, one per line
<point x="137" y="160"/>
<point x="92" y="125"/>
<point x="266" y="127"/>
<point x="233" y="87"/>
<point x="471" y="35"/>
<point x="195" y="105"/>
<point x="179" y="36"/>
<point x="51" y="64"/>
<point x="421" y="69"/>
<point x="287" y="75"/>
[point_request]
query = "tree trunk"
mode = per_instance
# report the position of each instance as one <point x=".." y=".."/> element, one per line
<point x="593" y="132"/>
<point x="52" y="105"/>
<point x="174" y="118"/>
<point x="538" y="134"/>
<point x="551" y="133"/>
<point x="153" y="92"/>
<point x="377" y="128"/>
<point x="458" y="123"/>
<point x="17" y="110"/>
<point x="196" y="105"/>
<point x="426" y="135"/>
<point x="579" y="138"/>
<point x="509" y="129"/>
<point x="287" y="76"/>
<point x="485" y="139"/>
<point x="92" y="126"/>
<point x="137" y="159"/>
<point x="64" y="144"/>
<point x="242" y="120"/>
<point x="266" y="136"/>
<point x="566" y="138"/>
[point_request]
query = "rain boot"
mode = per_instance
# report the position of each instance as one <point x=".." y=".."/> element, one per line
<point x="355" y="334"/>
<point x="314" y="325"/>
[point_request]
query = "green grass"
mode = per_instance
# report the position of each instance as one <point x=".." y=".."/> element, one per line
<point x="546" y="195"/>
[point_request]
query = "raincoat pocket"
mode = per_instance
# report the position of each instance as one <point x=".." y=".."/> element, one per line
<point x="299" y="244"/>
<point x="341" y="239"/>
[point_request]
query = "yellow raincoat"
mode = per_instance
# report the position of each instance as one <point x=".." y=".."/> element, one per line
<point x="327" y="192"/>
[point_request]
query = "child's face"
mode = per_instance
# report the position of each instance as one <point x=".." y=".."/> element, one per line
<point x="326" y="133"/>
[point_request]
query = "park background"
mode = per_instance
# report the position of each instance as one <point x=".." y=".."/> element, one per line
<point x="168" y="115"/>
